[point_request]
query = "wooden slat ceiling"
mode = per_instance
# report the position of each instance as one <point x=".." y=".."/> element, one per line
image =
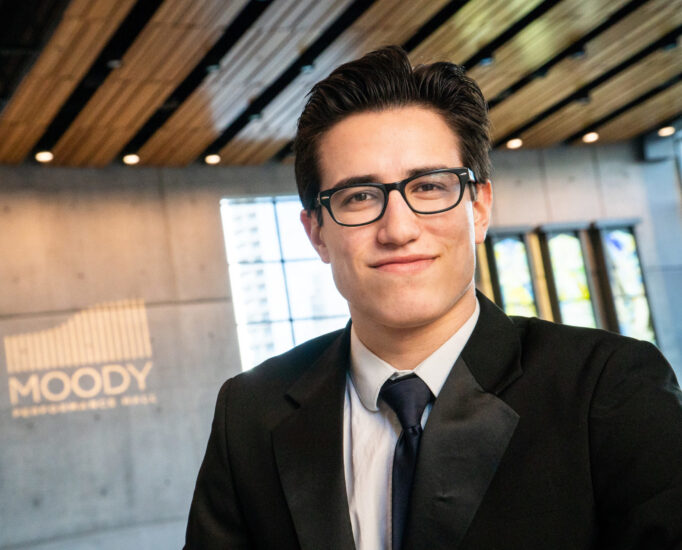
<point x="621" y="41"/>
<point x="654" y="112"/>
<point x="85" y="28"/>
<point x="164" y="53"/>
<point x="386" y="22"/>
<point x="109" y="81"/>
<point x="285" y="29"/>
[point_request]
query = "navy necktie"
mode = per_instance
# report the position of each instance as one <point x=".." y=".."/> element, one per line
<point x="408" y="397"/>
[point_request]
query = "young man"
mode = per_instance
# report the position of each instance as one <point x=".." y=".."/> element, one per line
<point x="514" y="433"/>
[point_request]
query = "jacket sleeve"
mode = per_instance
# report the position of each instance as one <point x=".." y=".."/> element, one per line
<point x="636" y="450"/>
<point x="216" y="520"/>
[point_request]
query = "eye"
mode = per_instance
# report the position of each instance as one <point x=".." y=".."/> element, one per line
<point x="425" y="186"/>
<point x="357" y="197"/>
<point x="360" y="196"/>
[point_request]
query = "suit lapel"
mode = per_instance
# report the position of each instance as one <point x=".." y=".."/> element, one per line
<point x="308" y="447"/>
<point x="466" y="435"/>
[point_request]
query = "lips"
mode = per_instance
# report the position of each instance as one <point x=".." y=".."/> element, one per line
<point x="404" y="264"/>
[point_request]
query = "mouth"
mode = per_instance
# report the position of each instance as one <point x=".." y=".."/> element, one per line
<point x="404" y="264"/>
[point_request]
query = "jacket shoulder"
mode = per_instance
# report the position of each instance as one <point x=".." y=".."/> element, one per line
<point x="264" y="385"/>
<point x="287" y="367"/>
<point x="554" y="339"/>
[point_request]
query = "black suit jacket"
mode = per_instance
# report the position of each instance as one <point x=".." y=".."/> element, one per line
<point x="543" y="437"/>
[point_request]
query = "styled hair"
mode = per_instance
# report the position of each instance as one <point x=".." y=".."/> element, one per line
<point x="385" y="79"/>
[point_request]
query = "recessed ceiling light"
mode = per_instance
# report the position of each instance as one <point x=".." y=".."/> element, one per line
<point x="666" y="131"/>
<point x="44" y="156"/>
<point x="514" y="143"/>
<point x="212" y="159"/>
<point x="131" y="159"/>
<point x="590" y="137"/>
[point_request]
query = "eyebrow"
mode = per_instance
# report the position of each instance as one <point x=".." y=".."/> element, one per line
<point x="373" y="178"/>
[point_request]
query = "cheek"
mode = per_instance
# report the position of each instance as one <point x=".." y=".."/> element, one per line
<point x="347" y="257"/>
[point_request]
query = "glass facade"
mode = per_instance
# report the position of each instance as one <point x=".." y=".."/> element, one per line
<point x="283" y="294"/>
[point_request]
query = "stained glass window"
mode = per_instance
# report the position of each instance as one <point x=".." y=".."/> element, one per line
<point x="516" y="287"/>
<point x="283" y="294"/>
<point x="627" y="286"/>
<point x="570" y="277"/>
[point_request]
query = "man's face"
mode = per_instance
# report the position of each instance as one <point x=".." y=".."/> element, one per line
<point x="404" y="270"/>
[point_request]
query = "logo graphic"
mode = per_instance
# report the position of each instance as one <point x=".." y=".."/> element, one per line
<point x="98" y="359"/>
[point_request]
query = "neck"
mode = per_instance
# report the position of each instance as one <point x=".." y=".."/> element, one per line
<point x="406" y="347"/>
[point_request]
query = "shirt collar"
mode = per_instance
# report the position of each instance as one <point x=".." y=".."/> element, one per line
<point x="369" y="372"/>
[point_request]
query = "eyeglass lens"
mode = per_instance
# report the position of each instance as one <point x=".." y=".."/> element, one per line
<point x="425" y="194"/>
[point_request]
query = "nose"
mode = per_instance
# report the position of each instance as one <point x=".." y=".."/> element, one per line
<point x="399" y="225"/>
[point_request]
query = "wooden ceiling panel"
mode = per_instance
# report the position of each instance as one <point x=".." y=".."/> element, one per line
<point x="644" y="117"/>
<point x="77" y="41"/>
<point x="652" y="71"/>
<point x="162" y="55"/>
<point x="644" y="26"/>
<point x="275" y="41"/>
<point x="471" y="29"/>
<point x="167" y="57"/>
<point x="386" y="22"/>
<point x="540" y="41"/>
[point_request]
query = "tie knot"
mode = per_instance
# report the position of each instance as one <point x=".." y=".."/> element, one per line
<point x="408" y="397"/>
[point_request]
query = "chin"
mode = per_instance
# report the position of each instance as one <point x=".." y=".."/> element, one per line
<point x="409" y="314"/>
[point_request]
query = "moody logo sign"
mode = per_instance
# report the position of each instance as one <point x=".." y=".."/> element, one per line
<point x="99" y="358"/>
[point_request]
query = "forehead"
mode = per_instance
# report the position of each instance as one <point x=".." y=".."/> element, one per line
<point x="387" y="145"/>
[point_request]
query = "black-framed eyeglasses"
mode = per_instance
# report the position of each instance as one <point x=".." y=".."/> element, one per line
<point x="429" y="192"/>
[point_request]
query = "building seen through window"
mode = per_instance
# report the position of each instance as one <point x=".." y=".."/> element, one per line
<point x="283" y="294"/>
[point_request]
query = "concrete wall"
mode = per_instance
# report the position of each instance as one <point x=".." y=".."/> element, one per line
<point x="119" y="477"/>
<point x="122" y="477"/>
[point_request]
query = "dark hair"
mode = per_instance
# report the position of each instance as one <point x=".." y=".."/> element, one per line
<point x="383" y="79"/>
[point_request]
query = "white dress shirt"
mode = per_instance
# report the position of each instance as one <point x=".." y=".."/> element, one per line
<point x="371" y="430"/>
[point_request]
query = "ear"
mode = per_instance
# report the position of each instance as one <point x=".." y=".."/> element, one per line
<point x="314" y="232"/>
<point x="482" y="210"/>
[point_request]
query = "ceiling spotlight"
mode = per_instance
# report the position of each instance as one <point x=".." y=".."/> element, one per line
<point x="578" y="52"/>
<point x="487" y="60"/>
<point x="514" y="143"/>
<point x="670" y="46"/>
<point x="44" y="156"/>
<point x="212" y="159"/>
<point x="131" y="159"/>
<point x="666" y="131"/>
<point x="590" y="137"/>
<point x="541" y="72"/>
<point x="583" y="99"/>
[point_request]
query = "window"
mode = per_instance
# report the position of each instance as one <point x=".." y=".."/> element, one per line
<point x="626" y="283"/>
<point x="283" y="294"/>
<point x="570" y="279"/>
<point x="513" y="275"/>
